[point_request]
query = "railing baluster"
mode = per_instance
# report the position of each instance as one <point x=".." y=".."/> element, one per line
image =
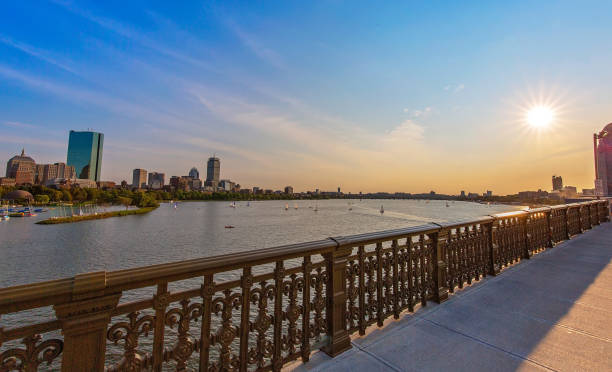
<point x="208" y="290"/>
<point x="306" y="269"/>
<point x="279" y="275"/>
<point x="160" y="303"/>
<point x="411" y="276"/>
<point x="439" y="268"/>
<point x="396" y="278"/>
<point x="362" y="290"/>
<point x="246" y="283"/>
<point x="380" y="315"/>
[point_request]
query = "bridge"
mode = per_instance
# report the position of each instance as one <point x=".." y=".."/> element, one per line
<point x="521" y="290"/>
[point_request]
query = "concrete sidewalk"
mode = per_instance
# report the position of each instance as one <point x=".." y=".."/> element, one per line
<point x="553" y="312"/>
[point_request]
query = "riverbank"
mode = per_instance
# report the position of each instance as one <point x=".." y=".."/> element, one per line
<point x="99" y="216"/>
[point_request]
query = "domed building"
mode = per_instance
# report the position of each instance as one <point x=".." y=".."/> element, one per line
<point x="194" y="173"/>
<point x="602" y="143"/>
<point x="22" y="168"/>
<point x="20" y="195"/>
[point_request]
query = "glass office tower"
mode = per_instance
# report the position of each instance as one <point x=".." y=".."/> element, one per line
<point x="85" y="154"/>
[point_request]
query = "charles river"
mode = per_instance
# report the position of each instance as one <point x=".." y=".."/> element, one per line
<point x="33" y="253"/>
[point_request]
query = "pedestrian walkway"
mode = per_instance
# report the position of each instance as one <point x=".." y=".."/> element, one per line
<point x="552" y="312"/>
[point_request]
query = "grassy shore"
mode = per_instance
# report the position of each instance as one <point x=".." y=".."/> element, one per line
<point x="99" y="216"/>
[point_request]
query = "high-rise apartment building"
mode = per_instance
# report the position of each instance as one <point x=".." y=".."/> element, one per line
<point x="557" y="182"/>
<point x="22" y="168"/>
<point x="139" y="178"/>
<point x="213" y="171"/>
<point x="85" y="154"/>
<point x="602" y="143"/>
<point x="157" y="180"/>
<point x="288" y="190"/>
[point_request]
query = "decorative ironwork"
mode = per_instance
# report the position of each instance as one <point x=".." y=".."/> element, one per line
<point x="227" y="332"/>
<point x="185" y="344"/>
<point x="34" y="354"/>
<point x="264" y="349"/>
<point x="129" y="332"/>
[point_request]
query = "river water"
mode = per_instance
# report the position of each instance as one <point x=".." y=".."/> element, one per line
<point x="34" y="253"/>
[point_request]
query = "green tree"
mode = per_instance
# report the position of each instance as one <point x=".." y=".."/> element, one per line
<point x="42" y="199"/>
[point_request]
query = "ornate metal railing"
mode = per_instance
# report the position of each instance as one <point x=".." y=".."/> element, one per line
<point x="259" y="310"/>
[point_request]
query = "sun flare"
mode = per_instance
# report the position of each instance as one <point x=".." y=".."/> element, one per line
<point x="540" y="116"/>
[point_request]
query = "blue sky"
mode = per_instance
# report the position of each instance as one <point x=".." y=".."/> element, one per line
<point x="389" y="96"/>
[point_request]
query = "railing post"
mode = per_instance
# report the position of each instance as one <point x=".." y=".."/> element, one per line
<point x="606" y="211"/>
<point x="440" y="240"/>
<point x="494" y="268"/>
<point x="549" y="229"/>
<point x="84" y="323"/>
<point x="339" y="340"/>
<point x="527" y="237"/>
<point x="566" y="221"/>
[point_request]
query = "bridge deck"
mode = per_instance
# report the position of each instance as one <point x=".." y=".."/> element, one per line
<point x="553" y="312"/>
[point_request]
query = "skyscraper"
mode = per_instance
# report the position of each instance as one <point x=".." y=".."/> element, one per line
<point x="139" y="178"/>
<point x="557" y="182"/>
<point x="213" y="170"/>
<point x="602" y="146"/>
<point x="156" y="180"/>
<point x="85" y="154"/>
<point x="194" y="173"/>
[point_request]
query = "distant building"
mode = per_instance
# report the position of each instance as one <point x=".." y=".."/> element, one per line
<point x="462" y="193"/>
<point x="195" y="183"/>
<point x="338" y="189"/>
<point x="104" y="185"/>
<point x="63" y="183"/>
<point x="45" y="172"/>
<point x="226" y="185"/>
<point x="588" y="192"/>
<point x="5" y="181"/>
<point x="85" y="154"/>
<point x="193" y="173"/>
<point x="156" y="180"/>
<point x="532" y="194"/>
<point x="288" y="190"/>
<point x="22" y="168"/>
<point x="139" y="178"/>
<point x="602" y="143"/>
<point x="557" y="182"/>
<point x="213" y="172"/>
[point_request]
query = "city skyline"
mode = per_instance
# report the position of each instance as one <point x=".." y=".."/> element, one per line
<point x="372" y="100"/>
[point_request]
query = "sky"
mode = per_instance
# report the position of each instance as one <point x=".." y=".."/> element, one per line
<point x="396" y="96"/>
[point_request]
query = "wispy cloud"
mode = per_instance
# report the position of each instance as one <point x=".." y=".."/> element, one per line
<point x="37" y="53"/>
<point x="134" y="35"/>
<point x="256" y="46"/>
<point x="21" y="141"/>
<point x="17" y="124"/>
<point x="419" y="113"/>
<point x="455" y="88"/>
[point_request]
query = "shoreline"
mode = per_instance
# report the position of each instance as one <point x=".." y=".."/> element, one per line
<point x="99" y="216"/>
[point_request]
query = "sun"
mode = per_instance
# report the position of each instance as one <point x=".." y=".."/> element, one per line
<point x="540" y="116"/>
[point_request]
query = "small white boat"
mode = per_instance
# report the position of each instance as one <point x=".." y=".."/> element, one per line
<point x="287" y="206"/>
<point x="248" y="204"/>
<point x="233" y="205"/>
<point x="316" y="208"/>
<point x="382" y="210"/>
<point x="295" y="206"/>
<point x="447" y="205"/>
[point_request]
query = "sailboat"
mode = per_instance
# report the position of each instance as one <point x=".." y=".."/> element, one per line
<point x="316" y="208"/>
<point x="350" y="206"/>
<point x="233" y="205"/>
<point x="447" y="205"/>
<point x="287" y="206"/>
<point x="248" y="204"/>
<point x="382" y="210"/>
<point x="295" y="206"/>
